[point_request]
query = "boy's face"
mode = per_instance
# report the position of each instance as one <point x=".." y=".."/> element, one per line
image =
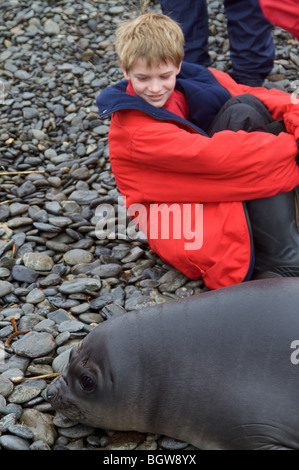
<point x="154" y="84"/>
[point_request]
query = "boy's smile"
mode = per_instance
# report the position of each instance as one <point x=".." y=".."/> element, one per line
<point x="154" y="84"/>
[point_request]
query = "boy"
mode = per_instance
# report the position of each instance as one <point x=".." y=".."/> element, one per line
<point x="168" y="150"/>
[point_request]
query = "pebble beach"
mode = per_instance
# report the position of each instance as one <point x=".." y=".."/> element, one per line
<point x="60" y="276"/>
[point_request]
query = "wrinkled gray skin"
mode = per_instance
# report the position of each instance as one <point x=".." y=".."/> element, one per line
<point x="213" y="370"/>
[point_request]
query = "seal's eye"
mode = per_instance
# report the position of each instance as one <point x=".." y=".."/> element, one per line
<point x="87" y="383"/>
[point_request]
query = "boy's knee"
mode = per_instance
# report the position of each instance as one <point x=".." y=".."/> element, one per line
<point x="245" y="117"/>
<point x="247" y="99"/>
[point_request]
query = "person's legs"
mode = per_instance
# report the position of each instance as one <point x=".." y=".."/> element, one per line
<point x="252" y="49"/>
<point x="275" y="235"/>
<point x="243" y="112"/>
<point x="192" y="16"/>
<point x="248" y="114"/>
<point x="273" y="219"/>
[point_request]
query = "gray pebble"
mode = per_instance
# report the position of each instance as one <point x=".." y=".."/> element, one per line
<point x="35" y="296"/>
<point x="23" y="273"/>
<point x="80" y="285"/>
<point x="10" y="442"/>
<point x="23" y="393"/>
<point x="77" y="431"/>
<point x="77" y="256"/>
<point x="70" y="326"/>
<point x="34" y="344"/>
<point x="30" y="113"/>
<point x="6" y="386"/>
<point x="5" y="288"/>
<point x="21" y="430"/>
<point x="38" y="261"/>
<point x="172" y="444"/>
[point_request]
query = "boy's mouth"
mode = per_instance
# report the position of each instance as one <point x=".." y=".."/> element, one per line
<point x="155" y="97"/>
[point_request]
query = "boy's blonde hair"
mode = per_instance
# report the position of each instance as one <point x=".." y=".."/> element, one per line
<point x="153" y="37"/>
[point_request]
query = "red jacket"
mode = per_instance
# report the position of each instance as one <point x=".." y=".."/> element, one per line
<point x="159" y="158"/>
<point x="283" y="13"/>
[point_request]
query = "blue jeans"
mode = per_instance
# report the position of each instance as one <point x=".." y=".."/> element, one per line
<point x="252" y="48"/>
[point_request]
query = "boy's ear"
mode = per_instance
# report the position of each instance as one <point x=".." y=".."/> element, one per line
<point x="180" y="66"/>
<point x="124" y="72"/>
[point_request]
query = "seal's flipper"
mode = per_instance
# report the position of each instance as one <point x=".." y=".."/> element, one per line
<point x="265" y="437"/>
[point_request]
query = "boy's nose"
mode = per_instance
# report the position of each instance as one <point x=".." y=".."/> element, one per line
<point x="155" y="86"/>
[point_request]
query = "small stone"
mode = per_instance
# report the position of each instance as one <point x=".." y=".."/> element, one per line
<point x="117" y="10"/>
<point x="30" y="113"/>
<point x="5" y="288"/>
<point x="80" y="285"/>
<point x="17" y="208"/>
<point x="60" y="221"/>
<point x="38" y="261"/>
<point x="19" y="221"/>
<point x="90" y="318"/>
<point x="21" y="430"/>
<point x="61" y="361"/>
<point x="171" y="444"/>
<point x="41" y="424"/>
<point x="13" y="442"/>
<point x="107" y="270"/>
<point x="71" y="326"/>
<point x="7" y="420"/>
<point x="39" y="135"/>
<point x="101" y="130"/>
<point x="39" y="445"/>
<point x="34" y="344"/>
<point x="4" y="212"/>
<point x="135" y="254"/>
<point x="59" y="110"/>
<point x="23" y="393"/>
<point x="35" y="296"/>
<point x="51" y="27"/>
<point x="23" y="273"/>
<point x="172" y="280"/>
<point x="77" y="431"/>
<point x="77" y="256"/>
<point x="83" y="196"/>
<point x="6" y="386"/>
<point x="4" y="273"/>
<point x="82" y="308"/>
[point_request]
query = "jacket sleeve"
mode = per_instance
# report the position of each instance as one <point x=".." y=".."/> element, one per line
<point x="230" y="166"/>
<point x="283" y="14"/>
<point x="281" y="105"/>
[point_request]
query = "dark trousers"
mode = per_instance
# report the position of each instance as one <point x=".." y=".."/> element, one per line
<point x="252" y="49"/>
<point x="245" y="113"/>
<point x="248" y="113"/>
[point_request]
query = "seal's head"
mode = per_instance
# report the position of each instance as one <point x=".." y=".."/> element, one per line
<point x="83" y="391"/>
<point x="76" y="376"/>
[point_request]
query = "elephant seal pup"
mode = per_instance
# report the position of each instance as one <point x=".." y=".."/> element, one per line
<point x="214" y="370"/>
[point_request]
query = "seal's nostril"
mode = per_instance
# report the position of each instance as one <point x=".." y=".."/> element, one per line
<point x="51" y="393"/>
